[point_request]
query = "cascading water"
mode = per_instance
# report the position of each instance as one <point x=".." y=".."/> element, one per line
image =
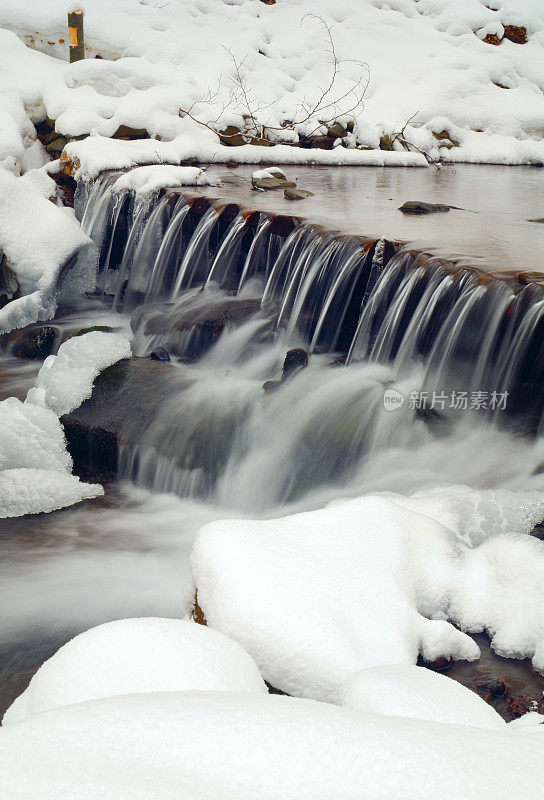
<point x="229" y="292"/>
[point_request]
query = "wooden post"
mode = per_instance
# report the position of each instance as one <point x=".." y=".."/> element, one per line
<point x="75" y="30"/>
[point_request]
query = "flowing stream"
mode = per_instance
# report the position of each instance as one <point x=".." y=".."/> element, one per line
<point x="422" y="371"/>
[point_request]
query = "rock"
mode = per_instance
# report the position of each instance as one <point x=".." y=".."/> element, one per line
<point x="160" y="354"/>
<point x="494" y="686"/>
<point x="417" y="207"/>
<point x="92" y="329"/>
<point x="439" y="664"/>
<point x="234" y="137"/>
<point x="516" y="34"/>
<point x="492" y="38"/>
<point x="320" y="142"/>
<point x="297" y="194"/>
<point x="272" y="183"/>
<point x="295" y="359"/>
<point x="9" y="286"/>
<point x="540" y="220"/>
<point x="386" y="142"/>
<point x="37" y="343"/>
<point x="125" y="400"/>
<point x="125" y="132"/>
<point x="337" y="130"/>
<point x="445" y="140"/>
<point x="197" y="614"/>
<point x="523" y="704"/>
<point x="57" y="145"/>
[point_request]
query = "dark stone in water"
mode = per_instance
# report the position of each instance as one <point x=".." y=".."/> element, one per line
<point x="494" y="686"/>
<point x="295" y="359"/>
<point x="160" y="354"/>
<point x="539" y="220"/>
<point x="37" y="343"/>
<point x="438" y="665"/>
<point x="297" y="194"/>
<point x="417" y="207"/>
<point x="124" y="401"/>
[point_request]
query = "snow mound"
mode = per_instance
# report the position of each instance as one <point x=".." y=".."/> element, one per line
<point x="138" y="655"/>
<point x="66" y="380"/>
<point x="35" y="466"/>
<point x="38" y="240"/>
<point x="146" y="180"/>
<point x="404" y="690"/>
<point x="317" y="596"/>
<point x="239" y="746"/>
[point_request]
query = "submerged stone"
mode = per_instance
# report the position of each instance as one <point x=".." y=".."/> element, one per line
<point x="297" y="194"/>
<point x="272" y="183"/>
<point x="37" y="343"/>
<point x="160" y="354"/>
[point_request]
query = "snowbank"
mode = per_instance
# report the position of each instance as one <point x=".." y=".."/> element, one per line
<point x="428" y="63"/>
<point x="239" y="746"/>
<point x="97" y="153"/>
<point x="38" y="239"/>
<point x="317" y="596"/>
<point x="138" y="655"/>
<point x="404" y="690"/>
<point x="35" y="466"/>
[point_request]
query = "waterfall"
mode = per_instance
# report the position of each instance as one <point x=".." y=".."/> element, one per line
<point x="229" y="292"/>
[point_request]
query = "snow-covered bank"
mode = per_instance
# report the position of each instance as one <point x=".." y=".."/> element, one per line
<point x="238" y="746"/>
<point x="38" y="240"/>
<point x="35" y="466"/>
<point x="226" y="62"/>
<point x="317" y="596"/>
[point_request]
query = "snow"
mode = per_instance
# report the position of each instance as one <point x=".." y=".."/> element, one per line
<point x="37" y="491"/>
<point x="35" y="466"/>
<point x="404" y="690"/>
<point x="317" y="596"/>
<point x="66" y="380"/>
<point x="239" y="746"/>
<point x="146" y="180"/>
<point x="138" y="655"/>
<point x="97" y="153"/>
<point x="426" y="62"/>
<point x="38" y="239"/>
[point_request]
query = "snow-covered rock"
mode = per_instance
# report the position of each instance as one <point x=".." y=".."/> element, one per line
<point x="404" y="690"/>
<point x="66" y="380"/>
<point x="35" y="467"/>
<point x="317" y="596"/>
<point x="138" y="655"/>
<point x="239" y="746"/>
<point x="146" y="180"/>
<point x="38" y="240"/>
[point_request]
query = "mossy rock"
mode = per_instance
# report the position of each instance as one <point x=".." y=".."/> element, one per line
<point x="92" y="329"/>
